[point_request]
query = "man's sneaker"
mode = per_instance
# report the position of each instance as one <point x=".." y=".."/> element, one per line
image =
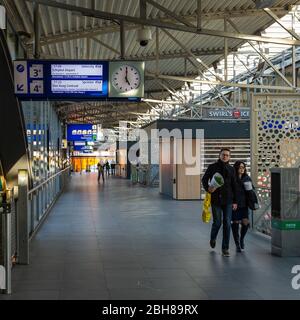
<point x="238" y="249"/>
<point x="212" y="243"/>
<point x="225" y="253"/>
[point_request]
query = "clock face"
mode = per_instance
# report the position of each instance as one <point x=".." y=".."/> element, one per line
<point x="126" y="78"/>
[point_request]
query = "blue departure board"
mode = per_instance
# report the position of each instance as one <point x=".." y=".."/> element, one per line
<point x="81" y="132"/>
<point x="57" y="80"/>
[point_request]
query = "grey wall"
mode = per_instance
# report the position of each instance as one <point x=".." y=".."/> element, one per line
<point x="13" y="145"/>
<point x="213" y="129"/>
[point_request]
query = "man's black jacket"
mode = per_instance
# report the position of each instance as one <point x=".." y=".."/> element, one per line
<point x="227" y="193"/>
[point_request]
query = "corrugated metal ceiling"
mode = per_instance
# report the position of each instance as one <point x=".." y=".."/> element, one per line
<point x="91" y="38"/>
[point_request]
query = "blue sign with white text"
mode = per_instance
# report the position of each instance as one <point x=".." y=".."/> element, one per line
<point x="84" y="149"/>
<point x="81" y="132"/>
<point x="66" y="79"/>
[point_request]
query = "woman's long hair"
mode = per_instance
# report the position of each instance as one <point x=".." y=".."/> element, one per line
<point x="237" y="166"/>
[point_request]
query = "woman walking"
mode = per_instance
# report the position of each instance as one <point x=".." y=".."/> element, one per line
<point x="241" y="215"/>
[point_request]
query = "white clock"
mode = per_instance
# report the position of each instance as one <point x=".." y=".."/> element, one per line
<point x="126" y="78"/>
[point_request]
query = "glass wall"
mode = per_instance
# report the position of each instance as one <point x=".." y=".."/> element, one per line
<point x="44" y="136"/>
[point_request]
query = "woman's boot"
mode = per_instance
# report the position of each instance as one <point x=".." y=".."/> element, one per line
<point x="235" y="231"/>
<point x="244" y="230"/>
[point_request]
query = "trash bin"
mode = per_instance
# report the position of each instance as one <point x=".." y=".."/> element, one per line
<point x="285" y="211"/>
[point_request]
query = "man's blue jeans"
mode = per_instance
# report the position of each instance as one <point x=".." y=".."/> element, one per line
<point x="221" y="213"/>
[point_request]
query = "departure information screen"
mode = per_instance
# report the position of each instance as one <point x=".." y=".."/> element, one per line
<point x="81" y="132"/>
<point x="46" y="79"/>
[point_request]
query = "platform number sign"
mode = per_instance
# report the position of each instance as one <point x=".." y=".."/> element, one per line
<point x="29" y="78"/>
<point x="36" y="87"/>
<point x="36" y="71"/>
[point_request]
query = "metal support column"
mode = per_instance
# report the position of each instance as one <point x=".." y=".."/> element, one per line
<point x="122" y="38"/>
<point x="293" y="53"/>
<point x="294" y="65"/>
<point x="199" y="13"/>
<point x="225" y="52"/>
<point x="5" y="284"/>
<point x="36" y="31"/>
<point x="157" y="50"/>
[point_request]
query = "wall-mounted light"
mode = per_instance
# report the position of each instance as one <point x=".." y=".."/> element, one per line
<point x="16" y="192"/>
<point x="22" y="177"/>
<point x="2" y="18"/>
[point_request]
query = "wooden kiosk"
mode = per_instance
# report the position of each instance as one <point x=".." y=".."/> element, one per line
<point x="173" y="178"/>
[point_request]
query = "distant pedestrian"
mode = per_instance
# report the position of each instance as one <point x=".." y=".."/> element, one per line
<point x="241" y="215"/>
<point x="113" y="168"/>
<point x="100" y="167"/>
<point x="223" y="199"/>
<point x="107" y="167"/>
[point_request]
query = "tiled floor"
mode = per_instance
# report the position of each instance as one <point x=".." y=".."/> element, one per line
<point x="118" y="241"/>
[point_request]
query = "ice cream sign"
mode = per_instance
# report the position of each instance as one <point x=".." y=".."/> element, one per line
<point x="226" y="113"/>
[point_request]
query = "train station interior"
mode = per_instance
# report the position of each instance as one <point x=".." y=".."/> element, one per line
<point x="116" y="118"/>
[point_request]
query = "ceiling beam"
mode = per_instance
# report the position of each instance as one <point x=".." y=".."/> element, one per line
<point x="88" y="109"/>
<point x="175" y="55"/>
<point x="105" y="29"/>
<point x="271" y="14"/>
<point x="106" y="45"/>
<point x="152" y="56"/>
<point x="221" y="83"/>
<point x="265" y="58"/>
<point x="161" y="90"/>
<point x="170" y="13"/>
<point x="161" y="24"/>
<point x="179" y="74"/>
<point x="100" y="117"/>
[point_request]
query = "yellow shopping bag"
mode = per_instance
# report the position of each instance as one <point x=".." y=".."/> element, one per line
<point x="206" y="213"/>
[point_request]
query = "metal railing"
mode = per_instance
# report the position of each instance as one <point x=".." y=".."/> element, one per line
<point x="6" y="223"/>
<point x="261" y="218"/>
<point x="42" y="197"/>
<point x="147" y="175"/>
<point x="22" y="218"/>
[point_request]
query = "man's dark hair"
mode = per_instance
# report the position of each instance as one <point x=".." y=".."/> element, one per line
<point x="224" y="149"/>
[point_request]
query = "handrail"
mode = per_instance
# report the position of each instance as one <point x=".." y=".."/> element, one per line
<point x="262" y="212"/>
<point x="154" y="178"/>
<point x="44" y="182"/>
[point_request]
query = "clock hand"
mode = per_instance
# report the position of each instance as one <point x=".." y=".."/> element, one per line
<point x="126" y="79"/>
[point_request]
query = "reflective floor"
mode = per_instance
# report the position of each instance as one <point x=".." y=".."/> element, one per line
<point x="118" y="241"/>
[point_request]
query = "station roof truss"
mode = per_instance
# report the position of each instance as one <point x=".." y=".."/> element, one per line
<point x="188" y="37"/>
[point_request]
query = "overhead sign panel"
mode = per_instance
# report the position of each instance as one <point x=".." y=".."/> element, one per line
<point x="47" y="79"/>
<point x="85" y="80"/>
<point x="81" y="132"/>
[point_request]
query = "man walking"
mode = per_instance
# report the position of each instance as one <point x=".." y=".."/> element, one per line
<point x="100" y="168"/>
<point x="223" y="199"/>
